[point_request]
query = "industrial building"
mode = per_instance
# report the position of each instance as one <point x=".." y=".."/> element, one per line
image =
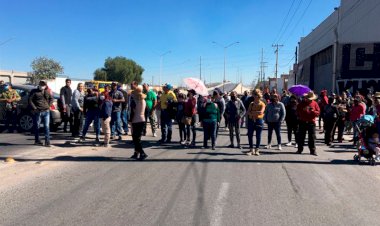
<point x="343" y="52"/>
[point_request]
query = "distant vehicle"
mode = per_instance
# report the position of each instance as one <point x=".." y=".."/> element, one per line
<point x="25" y="119"/>
<point x="99" y="85"/>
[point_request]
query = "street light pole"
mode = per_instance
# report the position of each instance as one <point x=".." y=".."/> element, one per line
<point x="161" y="59"/>
<point x="224" y="65"/>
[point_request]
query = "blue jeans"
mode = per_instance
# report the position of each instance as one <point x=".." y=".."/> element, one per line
<point x="255" y="125"/>
<point x="166" y="126"/>
<point x="209" y="131"/>
<point x="92" y="115"/>
<point x="116" y="123"/>
<point x="124" y="119"/>
<point x="37" y="117"/>
<point x="276" y="126"/>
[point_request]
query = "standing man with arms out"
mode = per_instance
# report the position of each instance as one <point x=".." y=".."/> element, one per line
<point x="77" y="102"/>
<point x="92" y="111"/>
<point x="167" y="98"/>
<point x="10" y="97"/>
<point x="40" y="101"/>
<point x="307" y="111"/>
<point x="65" y="95"/>
<point x="151" y="103"/>
<point x="117" y="99"/>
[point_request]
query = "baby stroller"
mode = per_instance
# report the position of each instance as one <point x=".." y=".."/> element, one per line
<point x="364" y="126"/>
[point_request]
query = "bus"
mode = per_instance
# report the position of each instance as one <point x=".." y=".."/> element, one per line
<point x="99" y="85"/>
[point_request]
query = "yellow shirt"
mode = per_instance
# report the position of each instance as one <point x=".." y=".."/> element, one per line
<point x="165" y="97"/>
<point x="256" y="111"/>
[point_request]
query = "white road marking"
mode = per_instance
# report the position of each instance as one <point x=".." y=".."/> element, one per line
<point x="216" y="218"/>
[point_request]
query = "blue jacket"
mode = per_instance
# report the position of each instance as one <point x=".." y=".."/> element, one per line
<point x="106" y="109"/>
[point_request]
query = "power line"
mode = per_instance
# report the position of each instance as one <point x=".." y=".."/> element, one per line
<point x="283" y="21"/>
<point x="290" y="21"/>
<point x="299" y="20"/>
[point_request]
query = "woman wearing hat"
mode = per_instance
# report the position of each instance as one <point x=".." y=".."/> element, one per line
<point x="307" y="111"/>
<point x="138" y="120"/>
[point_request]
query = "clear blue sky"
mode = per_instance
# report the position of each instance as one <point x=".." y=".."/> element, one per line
<point x="81" y="34"/>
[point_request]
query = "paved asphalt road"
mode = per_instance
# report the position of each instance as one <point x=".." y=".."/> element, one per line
<point x="80" y="184"/>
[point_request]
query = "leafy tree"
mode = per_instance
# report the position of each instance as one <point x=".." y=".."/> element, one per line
<point x="44" y="68"/>
<point x="119" y="69"/>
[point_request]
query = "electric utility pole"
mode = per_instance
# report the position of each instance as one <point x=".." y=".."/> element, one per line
<point x="262" y="68"/>
<point x="276" y="52"/>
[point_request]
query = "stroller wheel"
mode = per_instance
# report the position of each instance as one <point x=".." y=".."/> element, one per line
<point x="356" y="158"/>
<point x="372" y="162"/>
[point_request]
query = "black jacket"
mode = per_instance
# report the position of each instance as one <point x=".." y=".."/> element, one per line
<point x="40" y="100"/>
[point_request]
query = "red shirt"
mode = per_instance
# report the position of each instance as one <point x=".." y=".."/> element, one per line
<point x="308" y="111"/>
<point x="357" y="112"/>
<point x="190" y="107"/>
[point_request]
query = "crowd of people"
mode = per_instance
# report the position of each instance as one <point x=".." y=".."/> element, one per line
<point x="118" y="112"/>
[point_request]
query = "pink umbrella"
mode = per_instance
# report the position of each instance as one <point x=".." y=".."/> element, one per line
<point x="197" y="85"/>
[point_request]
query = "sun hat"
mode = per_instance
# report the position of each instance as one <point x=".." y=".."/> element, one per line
<point x="310" y="95"/>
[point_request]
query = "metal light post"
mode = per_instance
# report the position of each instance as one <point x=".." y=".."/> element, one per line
<point x="224" y="66"/>
<point x="161" y="59"/>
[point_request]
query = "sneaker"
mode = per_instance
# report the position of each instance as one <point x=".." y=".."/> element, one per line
<point x="82" y="138"/>
<point x="296" y="145"/>
<point x="134" y="156"/>
<point x="120" y="138"/>
<point x="377" y="158"/>
<point x="154" y="134"/>
<point x="182" y="142"/>
<point x="279" y="147"/>
<point x="288" y="144"/>
<point x="143" y="156"/>
<point x="38" y="143"/>
<point x="231" y="146"/>
<point x="213" y="148"/>
<point x="97" y="140"/>
<point x="250" y="152"/>
<point x="268" y="146"/>
<point x="47" y="144"/>
<point x="314" y="153"/>
<point x="257" y="153"/>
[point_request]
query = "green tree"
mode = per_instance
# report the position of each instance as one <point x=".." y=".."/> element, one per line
<point x="44" y="68"/>
<point x="119" y="69"/>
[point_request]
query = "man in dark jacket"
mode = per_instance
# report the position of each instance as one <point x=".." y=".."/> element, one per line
<point x="40" y="101"/>
<point x="330" y="117"/>
<point x="91" y="110"/>
<point x="65" y="97"/>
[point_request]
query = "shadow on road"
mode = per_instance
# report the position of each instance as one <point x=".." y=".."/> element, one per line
<point x="176" y="160"/>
